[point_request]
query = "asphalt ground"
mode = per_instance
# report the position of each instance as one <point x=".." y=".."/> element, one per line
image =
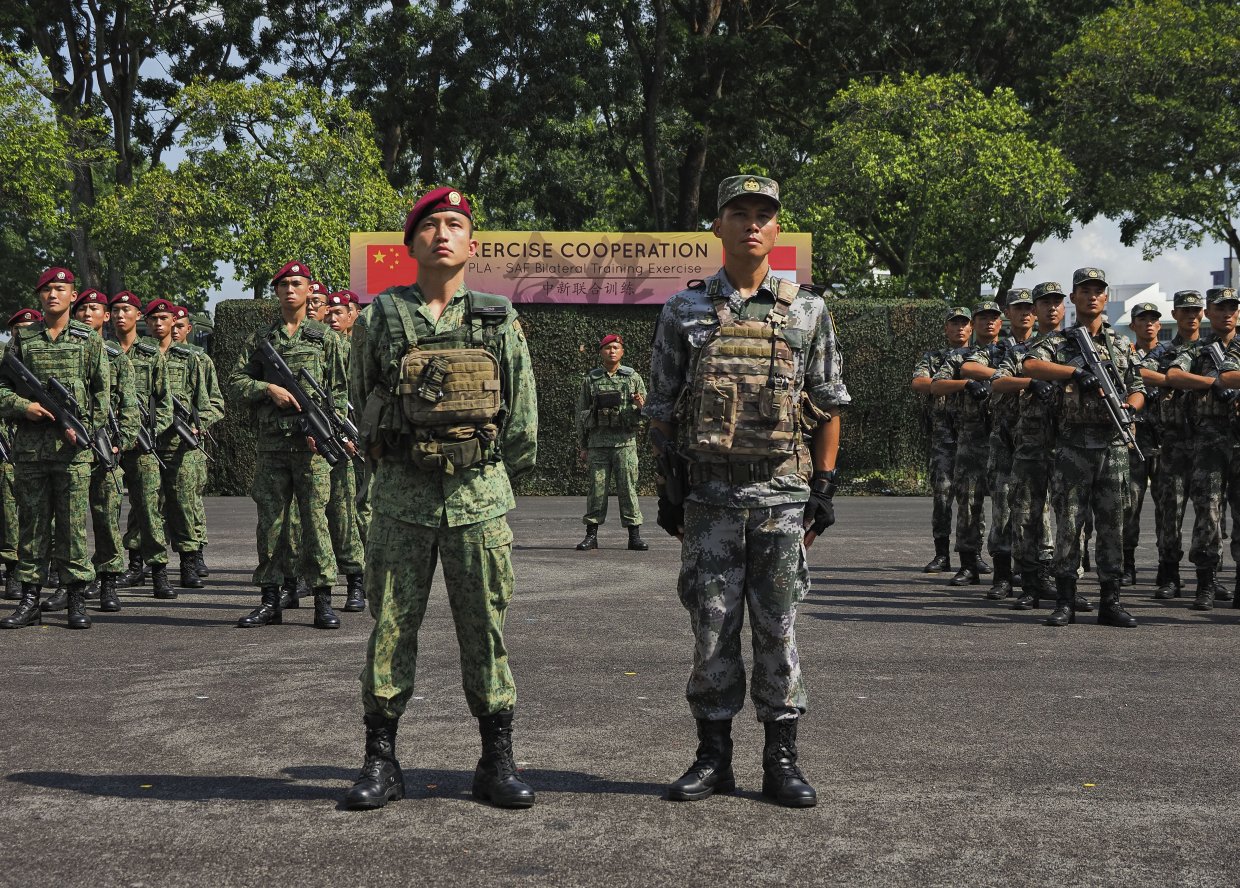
<point x="952" y="740"/>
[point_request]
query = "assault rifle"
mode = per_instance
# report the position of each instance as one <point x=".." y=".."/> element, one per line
<point x="1121" y="414"/>
<point x="345" y="429"/>
<point x="315" y="421"/>
<point x="59" y="402"/>
<point x="146" y="434"/>
<point x="184" y="421"/>
<point x="672" y="466"/>
<point x="6" y="452"/>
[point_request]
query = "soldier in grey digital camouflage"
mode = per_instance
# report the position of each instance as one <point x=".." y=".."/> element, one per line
<point x="450" y="417"/>
<point x="608" y="413"/>
<point x="1207" y="371"/>
<point x="52" y="465"/>
<point x="745" y="366"/>
<point x="1091" y="459"/>
<point x="1145" y="321"/>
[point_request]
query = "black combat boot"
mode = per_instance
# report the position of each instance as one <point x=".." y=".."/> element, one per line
<point x="136" y="574"/>
<point x="292" y="591"/>
<point x="636" y="543"/>
<point x="1169" y="586"/>
<point x="967" y="575"/>
<point x="1036" y="585"/>
<point x="200" y="564"/>
<point x="91" y="591"/>
<point x="189" y="571"/>
<point x="495" y="778"/>
<point x="983" y="566"/>
<point x="28" y="612"/>
<point x="12" y="585"/>
<point x="381" y="780"/>
<point x="1205" y="590"/>
<point x="1129" y="575"/>
<point x="591" y="540"/>
<point x="942" y="560"/>
<point x="1110" y="613"/>
<point x="159" y="582"/>
<point x="1221" y="592"/>
<point x="711" y="771"/>
<point x="354" y="593"/>
<point x="1002" y="586"/>
<point x="78" y="618"/>
<point x="1083" y="604"/>
<point x="324" y="616"/>
<point x="57" y="601"/>
<point x="267" y="613"/>
<point x="1065" y="602"/>
<point x="108" y="601"/>
<point x="782" y="780"/>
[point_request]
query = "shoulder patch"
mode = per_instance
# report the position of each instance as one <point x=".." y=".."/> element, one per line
<point x="112" y="349"/>
<point x="314" y="334"/>
<point x="146" y="348"/>
<point x="180" y="351"/>
<point x="489" y="306"/>
<point x="696" y="284"/>
<point x="79" y="332"/>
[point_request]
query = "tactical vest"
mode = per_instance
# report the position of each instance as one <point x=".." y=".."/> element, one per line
<point x="143" y="356"/>
<point x="1081" y="408"/>
<point x="46" y="359"/>
<point x="608" y="397"/>
<point x="1204" y="406"/>
<point x="304" y="352"/>
<point x="970" y="414"/>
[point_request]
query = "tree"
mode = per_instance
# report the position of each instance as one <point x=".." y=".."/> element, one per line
<point x="1148" y="113"/>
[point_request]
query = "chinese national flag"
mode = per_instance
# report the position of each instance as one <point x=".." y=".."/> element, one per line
<point x="389" y="265"/>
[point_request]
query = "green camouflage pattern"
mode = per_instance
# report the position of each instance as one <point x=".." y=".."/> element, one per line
<point x="53" y="508"/>
<point x="144" y="525"/>
<point x="609" y="426"/>
<point x="342" y="521"/>
<point x="1032" y="536"/>
<point x="8" y="513"/>
<point x="606" y="465"/>
<point x="105" y="501"/>
<point x="286" y="479"/>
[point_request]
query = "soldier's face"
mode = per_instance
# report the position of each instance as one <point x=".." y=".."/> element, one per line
<point x="443" y="241"/>
<point x="160" y="324"/>
<point x="1089" y="297"/>
<point x="293" y="291"/>
<point x="1146" y="326"/>
<point x="316" y="306"/>
<point x="124" y="318"/>
<point x="338" y="318"/>
<point x="611" y="353"/>
<point x="94" y="314"/>
<point x="1050" y="311"/>
<point x="1187" y="320"/>
<point x="748" y="226"/>
<point x="958" y="331"/>
<point x="987" y="324"/>
<point x="180" y="329"/>
<point x="1021" y="316"/>
<point x="1222" y="316"/>
<point x="57" y="297"/>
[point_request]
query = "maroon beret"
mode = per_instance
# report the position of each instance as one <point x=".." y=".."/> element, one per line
<point x="288" y="269"/>
<point x="609" y="339"/>
<point x="157" y="305"/>
<point x="180" y="311"/>
<point x="434" y="201"/>
<point x="338" y="299"/>
<point x="318" y="289"/>
<point x="22" y="315"/>
<point x="127" y="297"/>
<point x="54" y="275"/>
<point x="90" y="296"/>
<point x="349" y="296"/>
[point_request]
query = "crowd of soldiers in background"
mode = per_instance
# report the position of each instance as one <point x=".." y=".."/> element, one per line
<point x="1023" y="418"/>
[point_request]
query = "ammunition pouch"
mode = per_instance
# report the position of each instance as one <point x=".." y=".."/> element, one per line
<point x="607" y="400"/>
<point x="459" y="447"/>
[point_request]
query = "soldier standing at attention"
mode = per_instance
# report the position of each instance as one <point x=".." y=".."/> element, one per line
<point x="288" y="470"/>
<point x="51" y="467"/>
<point x="609" y="407"/>
<point x="758" y="495"/>
<point x="23" y="317"/>
<point x="448" y="424"/>
<point x="349" y="322"/>
<point x="1145" y="321"/>
<point x="1091" y="461"/>
<point x="941" y="433"/>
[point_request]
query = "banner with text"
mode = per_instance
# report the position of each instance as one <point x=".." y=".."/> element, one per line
<point x="640" y="268"/>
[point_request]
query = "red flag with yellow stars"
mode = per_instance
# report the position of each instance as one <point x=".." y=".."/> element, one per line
<point x="389" y="265"/>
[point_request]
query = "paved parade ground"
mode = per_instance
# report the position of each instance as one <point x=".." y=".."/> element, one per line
<point x="952" y="740"/>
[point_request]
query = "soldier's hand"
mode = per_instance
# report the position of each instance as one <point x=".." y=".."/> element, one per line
<point x="671" y="517"/>
<point x="1222" y="392"/>
<point x="820" y="510"/>
<point x="282" y="397"/>
<point x="638" y="399"/>
<point x="1086" y="381"/>
<point x="1042" y="390"/>
<point x="36" y="412"/>
<point x="978" y="391"/>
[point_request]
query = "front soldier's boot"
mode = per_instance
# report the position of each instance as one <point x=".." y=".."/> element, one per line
<point x="91" y="592"/>
<point x="1065" y="602"/>
<point x="711" y="771"/>
<point x="267" y="613"/>
<point x="200" y="564"/>
<point x="134" y="575"/>
<point x="189" y="571"/>
<point x="1129" y="575"/>
<point x="354" y="593"/>
<point x="381" y="780"/>
<point x="324" y="616"/>
<point x="12" y="585"/>
<point x="591" y="540"/>
<point x="942" y="560"/>
<point x="636" y="543"/>
<point x="1221" y="592"/>
<point x="1037" y="584"/>
<point x="159" y="582"/>
<point x="983" y="566"/>
<point x="291" y="593"/>
<point x="27" y="613"/>
<point x="1110" y="612"/>
<point x="1168" y="581"/>
<point x="108" y="600"/>
<point x="1002" y="586"/>
<point x="57" y="601"/>
<point x="78" y="618"/>
<point x="1205" y="590"/>
<point x="968" y="574"/>
<point x="782" y="780"/>
<point x="495" y="778"/>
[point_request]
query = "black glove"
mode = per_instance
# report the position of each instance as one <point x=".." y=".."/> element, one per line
<point x="1042" y="390"/>
<point x="671" y="517"/>
<point x="978" y="391"/>
<point x="1086" y="380"/>
<point x="820" y="510"/>
<point x="1223" y="393"/>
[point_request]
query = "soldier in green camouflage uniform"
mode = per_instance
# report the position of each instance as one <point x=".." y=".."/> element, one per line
<point x="23" y="317"/>
<point x="1091" y="461"/>
<point x="1145" y="322"/>
<point x="941" y="434"/>
<point x="608" y="412"/>
<point x="450" y="416"/>
<point x="145" y="537"/>
<point x="287" y="468"/>
<point x="1215" y="480"/>
<point x="51" y="471"/>
<point x="757" y="495"/>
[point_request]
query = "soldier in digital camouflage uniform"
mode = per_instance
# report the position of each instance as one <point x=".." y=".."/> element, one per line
<point x="609" y="407"/>
<point x="941" y="435"/>
<point x="1215" y="481"/>
<point x="757" y="494"/>
<point x="1145" y="321"/>
<point x="288" y="473"/>
<point x="145" y="537"/>
<point x="23" y="317"/>
<point x="51" y="468"/>
<point x="450" y="416"/>
<point x="1091" y="461"/>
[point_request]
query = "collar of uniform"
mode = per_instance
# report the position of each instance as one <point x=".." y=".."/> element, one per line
<point x="728" y="291"/>
<point x="418" y="296"/>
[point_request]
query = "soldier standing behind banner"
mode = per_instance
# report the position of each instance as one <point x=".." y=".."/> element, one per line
<point x="1143" y="461"/>
<point x="608" y="412"/>
<point x="52" y="468"/>
<point x="23" y="317"/>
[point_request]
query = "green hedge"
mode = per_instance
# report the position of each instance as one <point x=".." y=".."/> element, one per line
<point x="880" y="341"/>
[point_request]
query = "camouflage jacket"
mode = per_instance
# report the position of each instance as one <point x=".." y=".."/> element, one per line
<point x="150" y="382"/>
<point x="970" y="416"/>
<point x="1033" y="432"/>
<point x="1201" y="406"/>
<point x="190" y="382"/>
<point x="609" y="427"/>
<point x="936" y="417"/>
<point x="1169" y="407"/>
<point x="124" y="401"/>
<point x="1004" y="408"/>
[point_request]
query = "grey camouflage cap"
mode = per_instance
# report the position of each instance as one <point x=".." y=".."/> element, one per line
<point x="1143" y="308"/>
<point x="958" y="311"/>
<point x="987" y="306"/>
<point x="743" y="186"/>
<point x="1048" y="288"/>
<point x="1187" y="299"/>
<point x="1019" y="296"/>
<point x="1215" y="295"/>
<point x="1082" y="275"/>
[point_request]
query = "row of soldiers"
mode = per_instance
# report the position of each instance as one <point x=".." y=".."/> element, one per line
<point x="1081" y="424"/>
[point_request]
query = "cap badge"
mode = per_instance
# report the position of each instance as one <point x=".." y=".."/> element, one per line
<point x="751" y="185"/>
<point x="1093" y="272"/>
<point x="454" y="198"/>
<point x="295" y="269"/>
<point x="60" y="275"/>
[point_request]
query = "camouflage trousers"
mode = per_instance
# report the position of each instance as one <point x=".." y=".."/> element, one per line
<point x="941" y="459"/>
<point x="1175" y="465"/>
<point x="1085" y="479"/>
<point x="364" y="474"/>
<point x="969" y="488"/>
<point x="1142" y="475"/>
<point x="105" y="517"/>
<point x="1032" y="538"/>
<point x="53" y="494"/>
<point x="342" y="519"/>
<point x="282" y="478"/>
<point x="179" y="490"/>
<point x="196" y="468"/>
<point x="144" y="527"/>
<point x="477" y="571"/>
<point x="8" y="515"/>
<point x="999" y="475"/>
<point x="606" y="464"/>
<point x="1215" y="484"/>
<point x="732" y="559"/>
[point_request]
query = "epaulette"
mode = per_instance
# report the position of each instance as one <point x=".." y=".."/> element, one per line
<point x="314" y="334"/>
<point x="180" y="351"/>
<point x="30" y="330"/>
<point x="489" y="306"/>
<point x="146" y="348"/>
<point x="112" y="350"/>
<point x="625" y="371"/>
<point x="80" y="332"/>
<point x="597" y="373"/>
